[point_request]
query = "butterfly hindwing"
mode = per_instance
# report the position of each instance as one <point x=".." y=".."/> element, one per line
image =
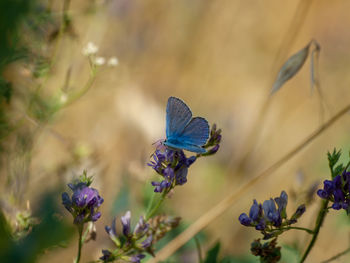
<point x="184" y="146"/>
<point x="178" y="115"/>
<point x="196" y="132"/>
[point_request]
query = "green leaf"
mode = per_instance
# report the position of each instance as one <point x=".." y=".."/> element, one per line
<point x="212" y="254"/>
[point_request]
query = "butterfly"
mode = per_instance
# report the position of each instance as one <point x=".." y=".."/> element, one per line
<point x="183" y="131"/>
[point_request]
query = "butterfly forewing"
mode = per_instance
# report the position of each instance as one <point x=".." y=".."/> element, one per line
<point x="178" y="115"/>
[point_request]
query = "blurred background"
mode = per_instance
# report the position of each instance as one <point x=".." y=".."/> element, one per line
<point x="221" y="58"/>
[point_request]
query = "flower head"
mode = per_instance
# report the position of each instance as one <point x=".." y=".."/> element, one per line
<point x="337" y="191"/>
<point x="113" y="61"/>
<point x="90" y="49"/>
<point x="99" y="61"/>
<point x="133" y="244"/>
<point x="268" y="218"/>
<point x="173" y="166"/>
<point x="83" y="204"/>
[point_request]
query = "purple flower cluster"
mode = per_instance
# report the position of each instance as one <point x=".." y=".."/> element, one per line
<point x="267" y="215"/>
<point x="213" y="142"/>
<point x="83" y="204"/>
<point x="131" y="244"/>
<point x="337" y="191"/>
<point x="173" y="166"/>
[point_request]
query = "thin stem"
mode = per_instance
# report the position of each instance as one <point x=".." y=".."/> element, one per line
<point x="151" y="203"/>
<point x="80" y="243"/>
<point x="199" y="250"/>
<point x="337" y="256"/>
<point x="231" y="199"/>
<point x="298" y="228"/>
<point x="155" y="208"/>
<point x="63" y="25"/>
<point x="81" y="92"/>
<point x="320" y="218"/>
<point x="289" y="38"/>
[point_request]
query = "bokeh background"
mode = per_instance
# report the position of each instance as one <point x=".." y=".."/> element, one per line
<point x="221" y="58"/>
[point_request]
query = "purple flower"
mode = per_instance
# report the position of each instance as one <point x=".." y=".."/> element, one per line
<point x="271" y="214"/>
<point x="126" y="223"/>
<point x="282" y="201"/>
<point x="322" y="193"/>
<point x="268" y="218"/>
<point x="337" y="191"/>
<point x="141" y="228"/>
<point x="83" y="204"/>
<point x="137" y="258"/>
<point x="147" y="242"/>
<point x="261" y="225"/>
<point x="107" y="256"/>
<point x="245" y="220"/>
<point x="255" y="211"/>
<point x="171" y="165"/>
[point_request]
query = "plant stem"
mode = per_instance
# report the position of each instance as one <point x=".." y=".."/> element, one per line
<point x="199" y="250"/>
<point x="299" y="228"/>
<point x="320" y="218"/>
<point x="80" y="242"/>
<point x="337" y="256"/>
<point x="152" y="211"/>
<point x="81" y="92"/>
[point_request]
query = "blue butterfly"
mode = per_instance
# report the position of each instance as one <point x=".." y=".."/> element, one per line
<point x="183" y="131"/>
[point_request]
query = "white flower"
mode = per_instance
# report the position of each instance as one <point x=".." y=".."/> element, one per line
<point x="99" y="61"/>
<point x="113" y="61"/>
<point x="90" y="49"/>
<point x="63" y="98"/>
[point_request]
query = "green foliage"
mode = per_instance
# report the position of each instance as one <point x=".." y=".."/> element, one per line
<point x="12" y="14"/>
<point x="50" y="232"/>
<point x="333" y="159"/>
<point x="212" y="254"/>
<point x="84" y="178"/>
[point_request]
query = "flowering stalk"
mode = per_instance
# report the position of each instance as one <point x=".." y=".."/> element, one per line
<point x="173" y="165"/>
<point x="83" y="205"/>
<point x="319" y="221"/>
<point x="131" y="245"/>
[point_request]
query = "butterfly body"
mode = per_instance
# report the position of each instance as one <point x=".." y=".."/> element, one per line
<point x="183" y="131"/>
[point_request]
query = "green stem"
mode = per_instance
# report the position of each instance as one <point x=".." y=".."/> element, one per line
<point x="320" y="218"/>
<point x="153" y="210"/>
<point x="199" y="250"/>
<point x="80" y="242"/>
<point x="298" y="228"/>
<point x="81" y="92"/>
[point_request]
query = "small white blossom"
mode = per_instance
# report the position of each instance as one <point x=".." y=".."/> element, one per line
<point x="63" y="98"/>
<point x="99" y="61"/>
<point x="90" y="49"/>
<point x="113" y="61"/>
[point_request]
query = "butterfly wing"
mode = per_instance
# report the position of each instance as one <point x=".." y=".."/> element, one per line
<point x="194" y="135"/>
<point x="178" y="115"/>
<point x="184" y="146"/>
<point x="196" y="132"/>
